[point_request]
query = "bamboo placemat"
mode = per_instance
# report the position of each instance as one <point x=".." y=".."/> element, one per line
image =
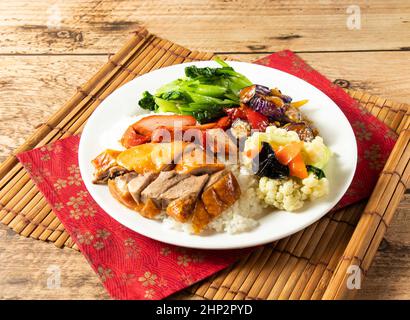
<point x="310" y="264"/>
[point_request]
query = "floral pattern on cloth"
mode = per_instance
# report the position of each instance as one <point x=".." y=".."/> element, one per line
<point x="132" y="266"/>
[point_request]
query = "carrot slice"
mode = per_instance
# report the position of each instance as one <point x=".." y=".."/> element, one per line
<point x="287" y="153"/>
<point x="297" y="167"/>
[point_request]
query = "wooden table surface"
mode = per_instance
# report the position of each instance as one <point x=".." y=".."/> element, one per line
<point x="49" y="47"/>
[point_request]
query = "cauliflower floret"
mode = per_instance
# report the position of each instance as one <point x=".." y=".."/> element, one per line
<point x="315" y="188"/>
<point x="316" y="153"/>
<point x="290" y="194"/>
<point x="282" y="194"/>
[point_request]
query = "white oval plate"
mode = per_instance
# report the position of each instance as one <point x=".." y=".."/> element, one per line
<point x="106" y="125"/>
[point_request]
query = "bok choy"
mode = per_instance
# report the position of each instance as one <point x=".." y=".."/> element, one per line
<point x="204" y="93"/>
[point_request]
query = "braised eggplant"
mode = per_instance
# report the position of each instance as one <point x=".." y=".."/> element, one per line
<point x="303" y="129"/>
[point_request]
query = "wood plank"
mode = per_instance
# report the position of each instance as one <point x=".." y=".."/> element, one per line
<point x="27" y="264"/>
<point x="92" y="26"/>
<point x="32" y="88"/>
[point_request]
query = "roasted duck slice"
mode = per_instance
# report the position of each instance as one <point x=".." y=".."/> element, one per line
<point x="221" y="194"/>
<point x="182" y="208"/>
<point x="139" y="183"/>
<point x="161" y="184"/>
<point x="219" y="142"/>
<point x="191" y="186"/>
<point x="118" y="189"/>
<point x="200" y="217"/>
<point x="106" y="166"/>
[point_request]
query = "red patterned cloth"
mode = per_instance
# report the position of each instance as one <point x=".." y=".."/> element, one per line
<point x="132" y="266"/>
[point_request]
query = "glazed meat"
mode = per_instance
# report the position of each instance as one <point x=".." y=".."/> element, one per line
<point x="106" y="166"/>
<point x="215" y="177"/>
<point x="200" y="217"/>
<point x="221" y="194"/>
<point x="181" y="209"/>
<point x="139" y="183"/>
<point x="162" y="183"/>
<point x="191" y="186"/>
<point x="150" y="209"/>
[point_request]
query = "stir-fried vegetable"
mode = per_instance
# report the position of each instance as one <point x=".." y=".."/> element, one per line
<point x="297" y="167"/>
<point x="204" y="93"/>
<point x="266" y="164"/>
<point x="285" y="154"/>
<point x="318" y="172"/>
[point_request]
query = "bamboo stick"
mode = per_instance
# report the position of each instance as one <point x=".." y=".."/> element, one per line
<point x="247" y="284"/>
<point x="285" y="247"/>
<point x="320" y="257"/>
<point x="222" y="290"/>
<point x="218" y="281"/>
<point x="310" y="238"/>
<point x="249" y="271"/>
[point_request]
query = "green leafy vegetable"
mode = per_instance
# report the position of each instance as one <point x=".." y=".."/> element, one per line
<point x="147" y="102"/>
<point x="173" y="95"/>
<point x="318" y="172"/>
<point x="203" y="93"/>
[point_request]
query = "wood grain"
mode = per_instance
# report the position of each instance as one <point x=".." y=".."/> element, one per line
<point x="78" y="26"/>
<point x="32" y="88"/>
<point x="49" y="47"/>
